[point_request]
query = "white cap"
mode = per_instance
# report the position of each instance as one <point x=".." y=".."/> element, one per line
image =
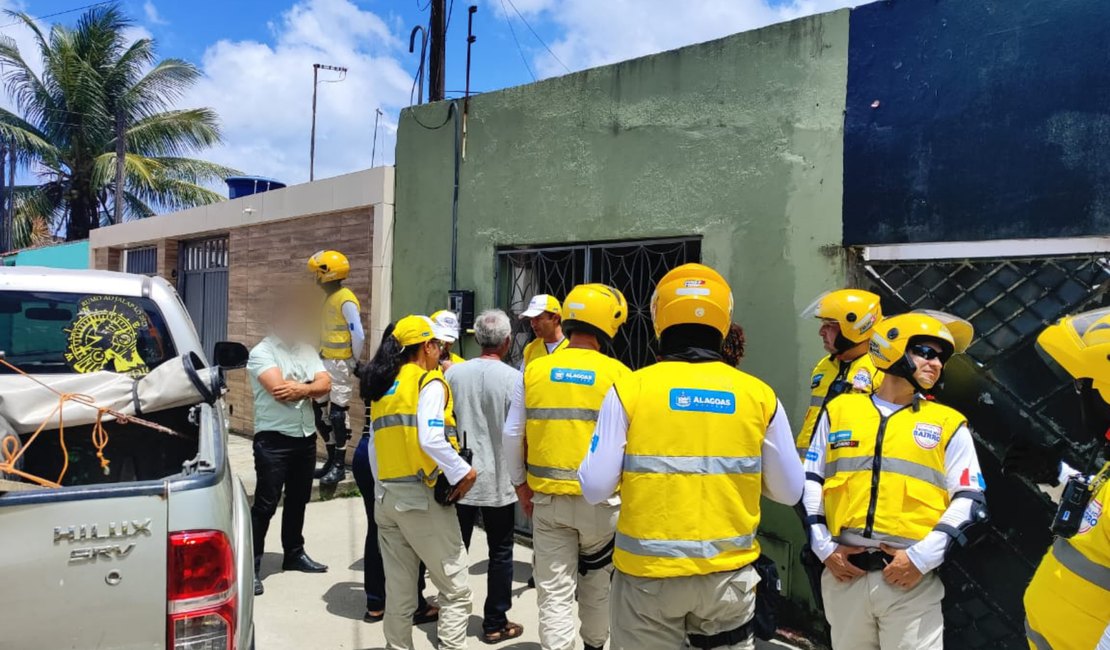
<point x="539" y="305"/>
<point x="445" y="326"/>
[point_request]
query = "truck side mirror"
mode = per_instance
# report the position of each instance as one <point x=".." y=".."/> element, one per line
<point x="230" y="355"/>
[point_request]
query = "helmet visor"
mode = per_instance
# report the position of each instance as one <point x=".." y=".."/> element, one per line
<point x="811" y="310"/>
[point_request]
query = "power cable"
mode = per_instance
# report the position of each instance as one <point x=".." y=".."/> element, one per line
<point x="59" y="13"/>
<point x="515" y="40"/>
<point x="529" y="26"/>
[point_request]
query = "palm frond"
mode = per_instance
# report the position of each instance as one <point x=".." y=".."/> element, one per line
<point x="173" y="133"/>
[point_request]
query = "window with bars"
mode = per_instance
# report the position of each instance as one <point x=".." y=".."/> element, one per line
<point x="143" y="261"/>
<point x="633" y="267"/>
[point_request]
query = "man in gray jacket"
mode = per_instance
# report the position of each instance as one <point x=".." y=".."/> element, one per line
<point x="482" y="389"/>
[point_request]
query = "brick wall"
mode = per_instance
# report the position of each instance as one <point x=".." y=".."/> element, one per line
<point x="260" y="253"/>
<point x="106" y="259"/>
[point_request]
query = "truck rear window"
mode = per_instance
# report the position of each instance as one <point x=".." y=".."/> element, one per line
<point x="65" y="333"/>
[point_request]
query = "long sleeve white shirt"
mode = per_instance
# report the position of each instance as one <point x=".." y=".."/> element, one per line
<point x="512" y="436"/>
<point x="600" y="472"/>
<point x="354" y="324"/>
<point x="430" y="432"/>
<point x="961" y="471"/>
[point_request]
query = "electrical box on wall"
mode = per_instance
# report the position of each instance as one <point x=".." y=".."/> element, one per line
<point x="461" y="301"/>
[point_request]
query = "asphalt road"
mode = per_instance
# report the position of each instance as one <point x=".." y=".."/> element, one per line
<point x="324" y="611"/>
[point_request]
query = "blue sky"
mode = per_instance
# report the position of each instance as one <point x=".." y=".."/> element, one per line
<point x="257" y="57"/>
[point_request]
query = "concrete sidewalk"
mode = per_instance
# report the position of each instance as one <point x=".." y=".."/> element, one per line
<point x="324" y="610"/>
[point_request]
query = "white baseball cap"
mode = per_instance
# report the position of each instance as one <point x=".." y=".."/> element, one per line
<point x="445" y="325"/>
<point x="540" y="304"/>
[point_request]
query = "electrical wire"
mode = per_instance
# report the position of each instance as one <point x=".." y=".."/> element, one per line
<point x="59" y="13"/>
<point x="515" y="40"/>
<point x="529" y="26"/>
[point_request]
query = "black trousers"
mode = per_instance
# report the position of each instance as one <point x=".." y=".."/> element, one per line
<point x="282" y="462"/>
<point x="499" y="524"/>
<point x="373" y="571"/>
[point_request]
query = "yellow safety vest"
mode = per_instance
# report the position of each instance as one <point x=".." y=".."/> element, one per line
<point x="1067" y="604"/>
<point x="691" y="483"/>
<point x="857" y="376"/>
<point x="335" y="340"/>
<point x="450" y="426"/>
<point x="401" y="459"/>
<point x="536" y="349"/>
<point x="562" y="395"/>
<point x="456" y="358"/>
<point x="884" y="476"/>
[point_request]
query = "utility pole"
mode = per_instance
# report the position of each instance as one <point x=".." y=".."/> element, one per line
<point x="316" y="67"/>
<point x="437" y="64"/>
<point x="374" y="147"/>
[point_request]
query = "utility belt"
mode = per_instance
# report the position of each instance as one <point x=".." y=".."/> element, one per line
<point x="723" y="639"/>
<point x="871" y="560"/>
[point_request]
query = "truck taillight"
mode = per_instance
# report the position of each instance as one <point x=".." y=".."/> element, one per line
<point x="201" y="604"/>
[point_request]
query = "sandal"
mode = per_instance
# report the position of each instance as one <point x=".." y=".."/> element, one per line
<point x="372" y="616"/>
<point x="510" y="631"/>
<point x="429" y="614"/>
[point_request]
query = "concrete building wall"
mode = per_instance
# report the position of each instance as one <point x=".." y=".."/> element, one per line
<point x="738" y="140"/>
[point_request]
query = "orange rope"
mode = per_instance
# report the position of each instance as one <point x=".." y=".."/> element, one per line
<point x="10" y="455"/>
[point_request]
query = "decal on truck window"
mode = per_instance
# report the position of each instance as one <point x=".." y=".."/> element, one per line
<point x="105" y="335"/>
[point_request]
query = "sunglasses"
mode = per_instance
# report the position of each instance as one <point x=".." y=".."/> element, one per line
<point x="925" y="352"/>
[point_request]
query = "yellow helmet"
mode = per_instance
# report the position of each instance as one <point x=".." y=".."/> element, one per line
<point x="692" y="294"/>
<point x="328" y="266"/>
<point x="1081" y="345"/>
<point x="595" y="304"/>
<point x="893" y="336"/>
<point x="411" y="330"/>
<point x="856" y="311"/>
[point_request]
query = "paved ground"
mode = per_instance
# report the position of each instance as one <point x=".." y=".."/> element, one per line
<point x="240" y="454"/>
<point x="301" y="610"/>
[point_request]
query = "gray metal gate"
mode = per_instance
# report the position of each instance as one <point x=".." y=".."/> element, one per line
<point x="632" y="267"/>
<point x="141" y="260"/>
<point x="204" y="288"/>
<point x="1008" y="394"/>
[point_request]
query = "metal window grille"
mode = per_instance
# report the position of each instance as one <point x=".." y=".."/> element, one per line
<point x="204" y="254"/>
<point x="143" y="261"/>
<point x="1009" y="395"/>
<point x="632" y="267"/>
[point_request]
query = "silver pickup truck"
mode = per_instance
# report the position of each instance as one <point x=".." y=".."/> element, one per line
<point x="146" y="540"/>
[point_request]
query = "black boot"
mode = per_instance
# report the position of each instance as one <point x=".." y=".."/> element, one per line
<point x="258" y="588"/>
<point x="299" y="561"/>
<point x="329" y="463"/>
<point x="595" y="647"/>
<point x="338" y="469"/>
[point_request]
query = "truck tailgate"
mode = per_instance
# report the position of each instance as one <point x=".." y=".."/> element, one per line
<point x="94" y="571"/>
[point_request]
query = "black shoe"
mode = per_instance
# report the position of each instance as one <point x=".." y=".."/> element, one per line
<point x="338" y="472"/>
<point x="328" y="465"/>
<point x="532" y="582"/>
<point x="258" y="588"/>
<point x="301" y="562"/>
<point x="595" y="647"/>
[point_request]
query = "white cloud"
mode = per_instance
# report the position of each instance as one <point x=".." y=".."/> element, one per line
<point x="597" y="33"/>
<point x="152" y="15"/>
<point x="263" y="93"/>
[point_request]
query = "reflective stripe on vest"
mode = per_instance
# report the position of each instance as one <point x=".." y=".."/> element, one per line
<point x="562" y="395"/>
<point x="693" y="464"/>
<point x="1036" y="638"/>
<point x="684" y="548"/>
<point x="335" y="338"/>
<point x="824" y="375"/>
<point x="885" y="476"/>
<point x="881" y="537"/>
<point x="691" y="481"/>
<point x="908" y="468"/>
<point x="395" y="420"/>
<point x="1080" y="564"/>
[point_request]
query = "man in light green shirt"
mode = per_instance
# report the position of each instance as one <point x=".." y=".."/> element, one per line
<point x="285" y="377"/>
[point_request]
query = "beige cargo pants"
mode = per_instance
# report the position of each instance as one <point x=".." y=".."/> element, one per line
<point x="658" y="613"/>
<point x="870" y="614"/>
<point x="564" y="528"/>
<point x="413" y="527"/>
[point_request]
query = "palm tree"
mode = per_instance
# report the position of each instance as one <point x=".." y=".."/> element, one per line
<point x="99" y="129"/>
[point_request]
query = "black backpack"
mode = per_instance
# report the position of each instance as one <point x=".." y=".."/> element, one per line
<point x="768" y="595"/>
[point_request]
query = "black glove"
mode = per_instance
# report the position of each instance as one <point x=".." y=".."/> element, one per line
<point x="1038" y="463"/>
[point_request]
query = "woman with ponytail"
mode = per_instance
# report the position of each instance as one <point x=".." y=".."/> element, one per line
<point x="374" y="572"/>
<point x="408" y="451"/>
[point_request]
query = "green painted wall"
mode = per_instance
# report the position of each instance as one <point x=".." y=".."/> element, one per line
<point x="738" y="140"/>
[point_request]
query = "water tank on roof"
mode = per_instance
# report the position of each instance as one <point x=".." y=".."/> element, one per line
<point x="246" y="185"/>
